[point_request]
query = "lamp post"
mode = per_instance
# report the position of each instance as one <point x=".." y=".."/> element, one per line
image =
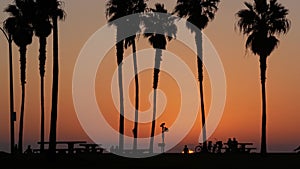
<point x="12" y="112"/>
<point x="163" y="130"/>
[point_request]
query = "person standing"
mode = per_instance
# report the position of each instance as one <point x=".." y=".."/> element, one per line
<point x="185" y="149"/>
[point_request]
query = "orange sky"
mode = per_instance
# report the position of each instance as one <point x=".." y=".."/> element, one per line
<point x="242" y="114"/>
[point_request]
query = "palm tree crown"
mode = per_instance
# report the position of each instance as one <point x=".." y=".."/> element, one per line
<point x="19" y="24"/>
<point x="135" y="7"/>
<point x="260" y="22"/>
<point x="158" y="24"/>
<point x="198" y="12"/>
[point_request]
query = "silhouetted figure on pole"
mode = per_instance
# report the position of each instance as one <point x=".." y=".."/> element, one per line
<point x="163" y="130"/>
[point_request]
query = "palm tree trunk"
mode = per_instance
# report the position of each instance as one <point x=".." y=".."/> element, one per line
<point x="23" y="82"/>
<point x="136" y="114"/>
<point x="53" y="122"/>
<point x="42" y="59"/>
<point x="120" y="51"/>
<point x="263" y="68"/>
<point x="42" y="146"/>
<point x="158" y="55"/>
<point x="11" y="84"/>
<point x="198" y="39"/>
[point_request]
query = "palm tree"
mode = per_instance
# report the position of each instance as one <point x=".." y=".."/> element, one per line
<point x="199" y="13"/>
<point x="116" y="9"/>
<point x="19" y="25"/>
<point x="42" y="29"/>
<point x="261" y="22"/>
<point x="136" y="6"/>
<point x="163" y="24"/>
<point x="55" y="12"/>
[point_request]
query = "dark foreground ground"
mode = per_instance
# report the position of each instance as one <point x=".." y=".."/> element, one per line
<point x="230" y="161"/>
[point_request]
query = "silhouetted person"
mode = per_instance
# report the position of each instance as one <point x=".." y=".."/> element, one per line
<point x="28" y="150"/>
<point x="229" y="145"/>
<point x="234" y="147"/>
<point x="219" y="146"/>
<point x="112" y="149"/>
<point x="117" y="149"/>
<point x="185" y="149"/>
<point x="214" y="148"/>
<point x="15" y="148"/>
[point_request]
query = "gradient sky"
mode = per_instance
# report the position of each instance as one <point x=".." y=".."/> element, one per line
<point x="242" y="113"/>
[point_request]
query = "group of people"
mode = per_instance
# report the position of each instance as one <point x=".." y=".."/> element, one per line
<point x="232" y="145"/>
<point x="218" y="146"/>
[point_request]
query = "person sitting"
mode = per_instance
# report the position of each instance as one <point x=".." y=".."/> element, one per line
<point x="219" y="146"/>
<point x="28" y="150"/>
<point x="234" y="147"/>
<point x="229" y="145"/>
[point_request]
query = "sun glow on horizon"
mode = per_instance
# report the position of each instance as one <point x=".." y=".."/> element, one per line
<point x="190" y="152"/>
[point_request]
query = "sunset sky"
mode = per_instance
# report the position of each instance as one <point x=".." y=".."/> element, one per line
<point x="242" y="113"/>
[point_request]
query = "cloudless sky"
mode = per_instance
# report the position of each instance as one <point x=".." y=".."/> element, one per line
<point x="242" y="113"/>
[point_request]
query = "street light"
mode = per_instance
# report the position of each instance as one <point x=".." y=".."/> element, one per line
<point x="163" y="130"/>
<point x="12" y="112"/>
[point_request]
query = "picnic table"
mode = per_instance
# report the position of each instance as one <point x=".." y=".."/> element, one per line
<point x="242" y="147"/>
<point x="70" y="145"/>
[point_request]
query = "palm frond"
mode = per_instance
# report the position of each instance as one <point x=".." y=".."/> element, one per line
<point x="198" y="12"/>
<point x="12" y="10"/>
<point x="248" y="19"/>
<point x="10" y="25"/>
<point x="249" y="6"/>
<point x="271" y="43"/>
<point x="261" y="21"/>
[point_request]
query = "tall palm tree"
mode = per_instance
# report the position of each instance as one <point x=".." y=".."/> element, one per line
<point x="19" y="25"/>
<point x="42" y="29"/>
<point x="199" y="13"/>
<point x="116" y="9"/>
<point x="162" y="30"/>
<point x="261" y="21"/>
<point x="55" y="12"/>
<point x="136" y="6"/>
